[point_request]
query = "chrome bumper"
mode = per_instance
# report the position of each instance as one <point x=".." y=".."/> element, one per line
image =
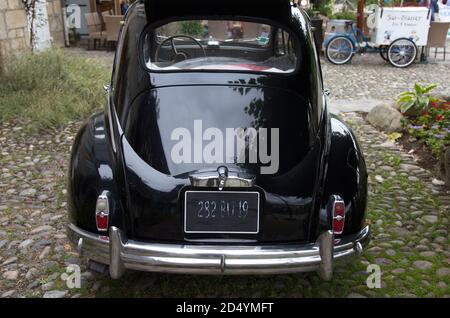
<point x="121" y="253"/>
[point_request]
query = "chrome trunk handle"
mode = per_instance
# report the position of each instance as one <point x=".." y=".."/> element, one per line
<point x="222" y="178"/>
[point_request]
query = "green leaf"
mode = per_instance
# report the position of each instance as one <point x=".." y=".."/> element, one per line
<point x="394" y="136"/>
<point x="404" y="107"/>
<point x="429" y="88"/>
<point x="423" y="102"/>
<point x="418" y="89"/>
<point x="407" y="93"/>
<point x="405" y="99"/>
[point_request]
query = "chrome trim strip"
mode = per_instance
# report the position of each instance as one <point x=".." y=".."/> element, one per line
<point x="108" y="90"/>
<point x="216" y="259"/>
<point x="214" y="179"/>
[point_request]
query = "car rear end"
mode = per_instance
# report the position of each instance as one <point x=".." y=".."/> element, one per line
<point x="223" y="158"/>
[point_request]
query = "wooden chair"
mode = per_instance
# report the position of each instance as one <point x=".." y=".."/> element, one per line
<point x="95" y="29"/>
<point x="107" y="12"/>
<point x="102" y="17"/>
<point x="98" y="20"/>
<point x="437" y="37"/>
<point x="112" y="24"/>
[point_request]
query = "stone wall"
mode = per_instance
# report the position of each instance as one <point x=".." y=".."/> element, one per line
<point x="14" y="34"/>
<point x="55" y="21"/>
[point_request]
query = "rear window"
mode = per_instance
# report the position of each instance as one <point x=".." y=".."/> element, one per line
<point x="220" y="45"/>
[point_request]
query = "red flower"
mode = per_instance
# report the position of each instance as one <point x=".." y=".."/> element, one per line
<point x="426" y="114"/>
<point x="434" y="105"/>
<point x="439" y="117"/>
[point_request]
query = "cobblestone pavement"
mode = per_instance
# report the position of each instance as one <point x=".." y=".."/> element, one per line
<point x="370" y="77"/>
<point x="408" y="211"/>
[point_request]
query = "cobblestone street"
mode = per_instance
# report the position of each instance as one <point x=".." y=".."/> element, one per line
<point x="369" y="77"/>
<point x="409" y="212"/>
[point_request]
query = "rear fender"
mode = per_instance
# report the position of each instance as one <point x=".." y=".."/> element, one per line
<point x="92" y="171"/>
<point x="345" y="176"/>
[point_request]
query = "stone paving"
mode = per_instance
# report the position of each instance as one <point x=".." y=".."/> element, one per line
<point x="370" y="77"/>
<point x="408" y="211"/>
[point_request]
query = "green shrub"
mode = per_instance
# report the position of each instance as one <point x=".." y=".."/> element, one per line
<point x="325" y="8"/>
<point x="431" y="126"/>
<point x="344" y="15"/>
<point x="51" y="88"/>
<point x="192" y="28"/>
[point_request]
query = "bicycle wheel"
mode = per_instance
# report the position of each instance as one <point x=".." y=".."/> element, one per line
<point x="383" y="52"/>
<point x="339" y="50"/>
<point x="402" y="52"/>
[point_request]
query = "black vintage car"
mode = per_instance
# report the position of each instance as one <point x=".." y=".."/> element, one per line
<point x="215" y="153"/>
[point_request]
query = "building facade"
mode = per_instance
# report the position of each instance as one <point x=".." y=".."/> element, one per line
<point x="14" y="30"/>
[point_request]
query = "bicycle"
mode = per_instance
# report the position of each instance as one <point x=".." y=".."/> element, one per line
<point x="341" y="48"/>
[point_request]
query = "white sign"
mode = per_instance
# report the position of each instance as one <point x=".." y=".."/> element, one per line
<point x="402" y="22"/>
<point x="444" y="15"/>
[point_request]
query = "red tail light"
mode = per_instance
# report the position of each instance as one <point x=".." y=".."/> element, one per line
<point x="338" y="216"/>
<point x="102" y="212"/>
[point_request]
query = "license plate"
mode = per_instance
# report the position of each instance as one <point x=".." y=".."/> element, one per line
<point x="233" y="212"/>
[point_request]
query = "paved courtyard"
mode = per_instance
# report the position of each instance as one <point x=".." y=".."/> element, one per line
<point x="408" y="211"/>
<point x="369" y="80"/>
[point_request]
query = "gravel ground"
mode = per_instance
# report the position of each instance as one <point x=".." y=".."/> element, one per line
<point x="408" y="211"/>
